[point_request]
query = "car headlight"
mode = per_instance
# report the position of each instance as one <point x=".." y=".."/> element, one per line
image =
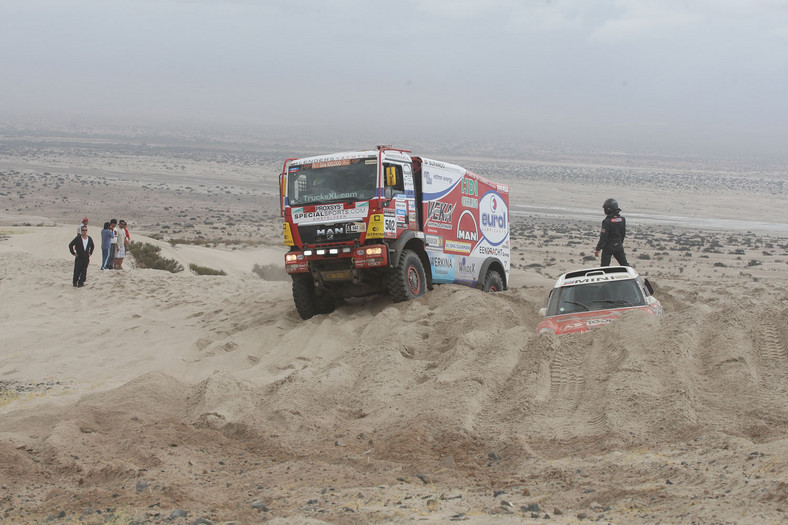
<point x="546" y="331"/>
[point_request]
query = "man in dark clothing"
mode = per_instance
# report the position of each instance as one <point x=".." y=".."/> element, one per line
<point x="81" y="248"/>
<point x="113" y="225"/>
<point x="611" y="240"/>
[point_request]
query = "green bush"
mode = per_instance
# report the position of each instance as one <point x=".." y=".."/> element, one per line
<point x="204" y="270"/>
<point x="147" y="256"/>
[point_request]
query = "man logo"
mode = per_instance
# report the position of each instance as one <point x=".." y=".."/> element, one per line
<point x="329" y="233"/>
<point x="467" y="230"/>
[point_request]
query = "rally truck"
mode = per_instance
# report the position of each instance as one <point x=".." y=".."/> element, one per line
<point x="360" y="223"/>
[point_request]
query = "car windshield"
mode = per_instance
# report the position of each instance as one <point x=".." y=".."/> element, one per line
<point x="345" y="180"/>
<point x="595" y="296"/>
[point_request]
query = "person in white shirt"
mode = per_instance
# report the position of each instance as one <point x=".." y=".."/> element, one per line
<point x="122" y="238"/>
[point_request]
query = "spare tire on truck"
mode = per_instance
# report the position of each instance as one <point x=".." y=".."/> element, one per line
<point x="407" y="280"/>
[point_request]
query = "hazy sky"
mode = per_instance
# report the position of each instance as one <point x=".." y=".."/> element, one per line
<point x="705" y="75"/>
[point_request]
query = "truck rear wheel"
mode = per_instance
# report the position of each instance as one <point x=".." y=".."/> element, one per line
<point x="407" y="280"/>
<point x="307" y="301"/>
<point x="493" y="282"/>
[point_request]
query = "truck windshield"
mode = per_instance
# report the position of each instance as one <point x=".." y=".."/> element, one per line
<point x="596" y="296"/>
<point x="344" y="180"/>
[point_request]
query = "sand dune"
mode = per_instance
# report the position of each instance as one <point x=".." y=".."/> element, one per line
<point x="147" y="392"/>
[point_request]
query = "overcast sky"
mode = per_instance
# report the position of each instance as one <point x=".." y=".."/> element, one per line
<point x="686" y="75"/>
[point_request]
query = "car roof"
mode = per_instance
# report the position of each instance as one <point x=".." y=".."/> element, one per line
<point x="598" y="274"/>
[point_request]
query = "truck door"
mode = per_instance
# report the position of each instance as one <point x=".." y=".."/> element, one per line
<point x="417" y="193"/>
<point x="398" y="189"/>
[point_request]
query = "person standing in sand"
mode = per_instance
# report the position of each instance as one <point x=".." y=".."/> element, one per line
<point x="126" y="233"/>
<point x="611" y="239"/>
<point x="122" y="238"/>
<point x="106" y="243"/>
<point x="81" y="248"/>
<point x="113" y="225"/>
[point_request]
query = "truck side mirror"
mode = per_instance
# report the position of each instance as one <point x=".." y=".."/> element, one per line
<point x="388" y="193"/>
<point x="543" y="311"/>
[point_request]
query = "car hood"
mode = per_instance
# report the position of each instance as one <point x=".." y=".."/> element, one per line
<point x="584" y="321"/>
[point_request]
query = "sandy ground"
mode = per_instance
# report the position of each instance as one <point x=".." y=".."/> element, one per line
<point x="152" y="397"/>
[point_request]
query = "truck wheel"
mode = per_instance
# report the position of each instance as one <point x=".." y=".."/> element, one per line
<point x="407" y="280"/>
<point x="304" y="296"/>
<point x="493" y="282"/>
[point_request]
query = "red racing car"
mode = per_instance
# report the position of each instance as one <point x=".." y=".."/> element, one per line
<point x="586" y="299"/>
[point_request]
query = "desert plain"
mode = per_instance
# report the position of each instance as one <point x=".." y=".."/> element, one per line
<point x="157" y="397"/>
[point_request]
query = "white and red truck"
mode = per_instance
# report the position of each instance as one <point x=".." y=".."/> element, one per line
<point x="387" y="221"/>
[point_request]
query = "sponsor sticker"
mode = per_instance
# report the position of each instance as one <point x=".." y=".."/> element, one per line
<point x="595" y="279"/>
<point x="597" y="322"/>
<point x="330" y="164"/>
<point x="497" y="251"/>
<point x="330" y="212"/>
<point x="433" y="241"/>
<point x="438" y="211"/>
<point x="458" y="247"/>
<point x="493" y="218"/>
<point x="442" y="266"/>
<point x="467" y="229"/>
<point x="470" y="187"/>
<point x="466" y="267"/>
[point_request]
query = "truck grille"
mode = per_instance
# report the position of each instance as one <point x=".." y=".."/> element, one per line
<point x="322" y="233"/>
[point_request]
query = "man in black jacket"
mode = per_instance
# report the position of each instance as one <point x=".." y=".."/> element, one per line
<point x="611" y="240"/>
<point x="81" y="248"/>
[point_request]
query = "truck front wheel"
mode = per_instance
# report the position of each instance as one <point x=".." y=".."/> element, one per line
<point x="407" y="280"/>
<point x="493" y="282"/>
<point x="307" y="301"/>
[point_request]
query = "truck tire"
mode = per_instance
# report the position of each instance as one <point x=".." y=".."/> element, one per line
<point x="304" y="296"/>
<point x="407" y="280"/>
<point x="307" y="301"/>
<point x="493" y="282"/>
